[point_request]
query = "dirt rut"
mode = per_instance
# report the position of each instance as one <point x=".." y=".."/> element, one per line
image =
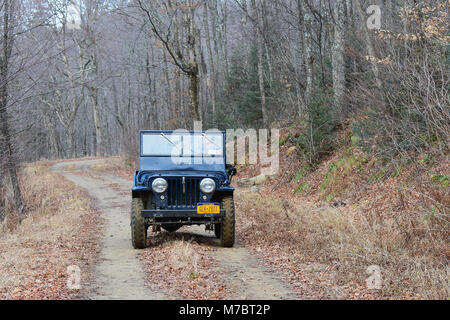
<point x="244" y="275"/>
<point x="119" y="273"/>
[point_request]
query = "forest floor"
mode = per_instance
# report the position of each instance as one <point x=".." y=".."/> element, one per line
<point x="59" y="237"/>
<point x="287" y="246"/>
<point x="187" y="264"/>
<point x="190" y="263"/>
<point x="118" y="273"/>
<point x="330" y="233"/>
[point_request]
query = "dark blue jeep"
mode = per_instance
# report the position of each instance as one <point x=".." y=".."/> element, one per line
<point x="183" y="179"/>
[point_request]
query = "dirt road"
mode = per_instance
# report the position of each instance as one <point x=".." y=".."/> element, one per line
<point x="119" y="273"/>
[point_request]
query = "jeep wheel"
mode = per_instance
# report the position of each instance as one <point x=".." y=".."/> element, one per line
<point x="138" y="227"/>
<point x="217" y="227"/>
<point x="228" y="223"/>
<point x="171" y="227"/>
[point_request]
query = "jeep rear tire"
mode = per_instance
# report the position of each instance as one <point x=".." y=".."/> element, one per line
<point x="171" y="227"/>
<point x="138" y="227"/>
<point x="227" y="231"/>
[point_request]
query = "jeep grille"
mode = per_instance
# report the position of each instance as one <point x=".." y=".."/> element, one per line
<point x="189" y="198"/>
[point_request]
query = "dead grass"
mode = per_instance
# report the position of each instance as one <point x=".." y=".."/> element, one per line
<point x="294" y="234"/>
<point x="353" y="211"/>
<point x="61" y="229"/>
<point x="120" y="166"/>
<point x="350" y="213"/>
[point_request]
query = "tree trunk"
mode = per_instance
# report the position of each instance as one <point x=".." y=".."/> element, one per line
<point x="337" y="55"/>
<point x="259" y="39"/>
<point x="323" y="38"/>
<point x="72" y="146"/>
<point x="225" y="40"/>
<point x="308" y="50"/>
<point x="193" y="67"/>
<point x="7" y="149"/>
<point x="299" y="65"/>
<point x="369" y="45"/>
<point x="193" y="88"/>
<point x="5" y="130"/>
<point x="97" y="124"/>
<point x="211" y="77"/>
<point x="171" y="107"/>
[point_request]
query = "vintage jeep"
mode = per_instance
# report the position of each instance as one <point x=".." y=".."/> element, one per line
<point x="183" y="179"/>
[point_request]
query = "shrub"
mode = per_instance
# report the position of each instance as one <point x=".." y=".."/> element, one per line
<point x="410" y="113"/>
<point x="316" y="138"/>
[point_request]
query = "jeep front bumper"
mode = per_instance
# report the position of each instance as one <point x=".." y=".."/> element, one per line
<point x="180" y="213"/>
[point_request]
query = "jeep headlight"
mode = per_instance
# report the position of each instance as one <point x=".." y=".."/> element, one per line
<point x="159" y="185"/>
<point x="207" y="185"/>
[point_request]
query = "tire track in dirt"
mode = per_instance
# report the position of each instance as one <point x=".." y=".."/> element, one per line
<point x="120" y="274"/>
<point x="244" y="275"/>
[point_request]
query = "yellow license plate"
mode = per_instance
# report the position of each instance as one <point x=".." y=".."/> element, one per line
<point x="209" y="208"/>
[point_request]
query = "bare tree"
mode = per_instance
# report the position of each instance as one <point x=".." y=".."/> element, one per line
<point x="9" y="12"/>
<point x="258" y="23"/>
<point x="211" y="77"/>
<point x="89" y="48"/>
<point x="160" y="64"/>
<point x="186" y="62"/>
<point x="337" y="55"/>
<point x="308" y="58"/>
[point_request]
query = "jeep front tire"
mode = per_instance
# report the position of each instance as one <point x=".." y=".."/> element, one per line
<point x="227" y="229"/>
<point x="138" y="227"/>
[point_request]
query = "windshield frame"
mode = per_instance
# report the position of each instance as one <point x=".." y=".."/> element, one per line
<point x="169" y="133"/>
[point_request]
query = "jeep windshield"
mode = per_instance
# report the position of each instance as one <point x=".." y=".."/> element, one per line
<point x="172" y="144"/>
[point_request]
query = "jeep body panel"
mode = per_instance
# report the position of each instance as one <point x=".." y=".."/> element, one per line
<point x="178" y="204"/>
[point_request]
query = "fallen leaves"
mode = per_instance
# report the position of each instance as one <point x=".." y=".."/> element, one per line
<point x="182" y="269"/>
<point x="34" y="257"/>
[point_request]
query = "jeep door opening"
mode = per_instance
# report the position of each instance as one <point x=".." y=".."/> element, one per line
<point x="183" y="179"/>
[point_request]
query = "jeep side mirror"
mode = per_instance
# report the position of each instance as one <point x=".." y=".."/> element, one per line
<point x="231" y="170"/>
